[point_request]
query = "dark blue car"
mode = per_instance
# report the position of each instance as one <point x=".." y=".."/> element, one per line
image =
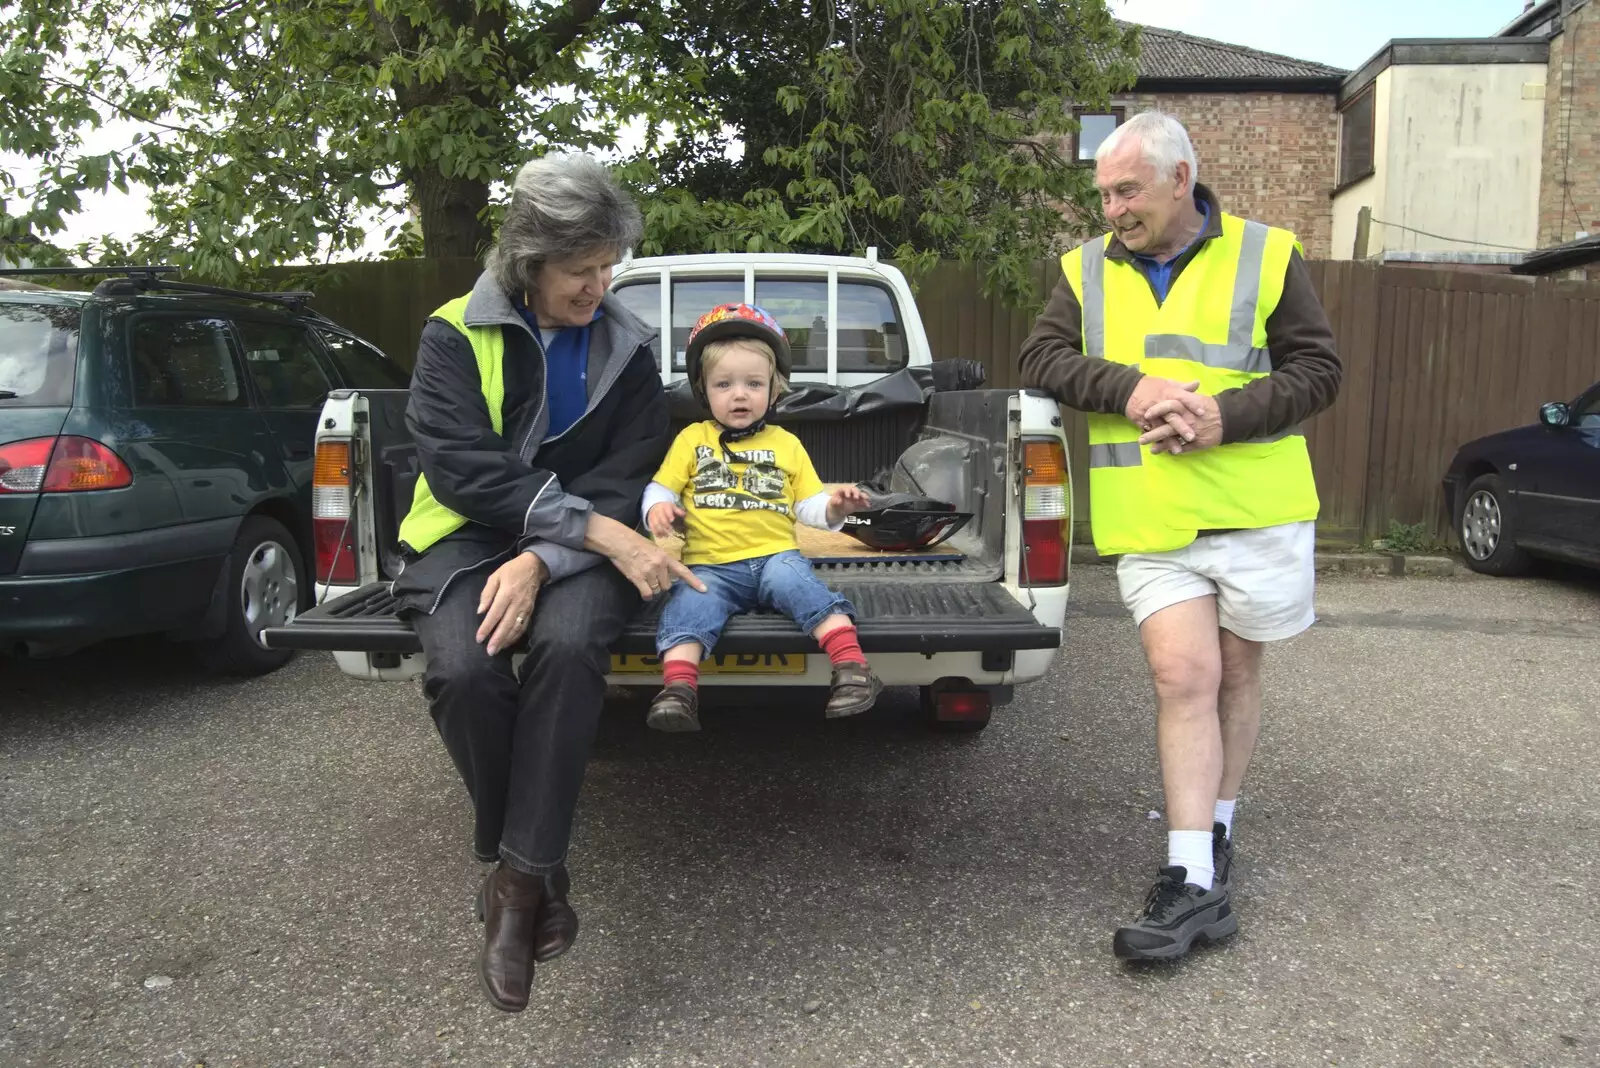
<point x="1532" y="491"/>
<point x="156" y="462"/>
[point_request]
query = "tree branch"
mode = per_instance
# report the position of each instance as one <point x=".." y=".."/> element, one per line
<point x="120" y="109"/>
<point x="562" y="29"/>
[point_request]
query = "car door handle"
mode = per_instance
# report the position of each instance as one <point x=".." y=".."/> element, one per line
<point x="297" y="452"/>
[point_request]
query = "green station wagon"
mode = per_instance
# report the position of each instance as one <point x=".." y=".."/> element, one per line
<point x="156" y="462"/>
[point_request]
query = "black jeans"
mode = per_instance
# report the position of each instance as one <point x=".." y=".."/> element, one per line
<point x="521" y="745"/>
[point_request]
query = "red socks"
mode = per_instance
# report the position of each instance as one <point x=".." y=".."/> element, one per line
<point x="685" y="671"/>
<point x="842" y="646"/>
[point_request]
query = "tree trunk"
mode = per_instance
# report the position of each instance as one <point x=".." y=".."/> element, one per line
<point x="452" y="210"/>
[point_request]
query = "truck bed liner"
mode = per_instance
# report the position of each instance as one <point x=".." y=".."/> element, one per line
<point x="893" y="617"/>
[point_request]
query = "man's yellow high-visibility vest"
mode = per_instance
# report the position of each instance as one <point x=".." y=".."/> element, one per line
<point x="429" y="520"/>
<point x="1212" y="328"/>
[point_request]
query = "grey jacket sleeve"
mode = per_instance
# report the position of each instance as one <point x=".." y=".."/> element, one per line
<point x="472" y="470"/>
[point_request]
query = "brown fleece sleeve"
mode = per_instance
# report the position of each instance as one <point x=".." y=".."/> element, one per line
<point x="1052" y="359"/>
<point x="1305" y="369"/>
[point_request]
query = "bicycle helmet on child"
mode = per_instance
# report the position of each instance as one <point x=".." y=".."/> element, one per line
<point x="733" y="320"/>
<point x="905" y="521"/>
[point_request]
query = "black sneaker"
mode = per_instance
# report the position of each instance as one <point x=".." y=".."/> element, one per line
<point x="1221" y="857"/>
<point x="1175" y="914"/>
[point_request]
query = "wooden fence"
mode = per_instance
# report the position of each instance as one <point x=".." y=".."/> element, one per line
<point x="1432" y="359"/>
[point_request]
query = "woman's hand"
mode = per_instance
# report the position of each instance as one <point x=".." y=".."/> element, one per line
<point x="641" y="561"/>
<point x="846" y="500"/>
<point x="507" y="601"/>
<point x="663" y="516"/>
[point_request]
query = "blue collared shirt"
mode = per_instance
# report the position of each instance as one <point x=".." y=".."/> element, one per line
<point x="566" y="368"/>
<point x="1160" y="274"/>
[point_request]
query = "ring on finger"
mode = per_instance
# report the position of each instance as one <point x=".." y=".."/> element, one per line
<point x="521" y="620"/>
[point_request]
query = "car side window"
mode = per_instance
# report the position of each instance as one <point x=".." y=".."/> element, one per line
<point x="283" y="365"/>
<point x="183" y="361"/>
<point x="364" y="366"/>
<point x="1586" y="413"/>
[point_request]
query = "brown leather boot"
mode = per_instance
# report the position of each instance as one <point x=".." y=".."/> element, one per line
<point x="509" y="904"/>
<point x="558" y="922"/>
<point x="855" y="689"/>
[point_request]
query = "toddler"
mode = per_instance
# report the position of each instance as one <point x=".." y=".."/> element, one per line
<point x="739" y="486"/>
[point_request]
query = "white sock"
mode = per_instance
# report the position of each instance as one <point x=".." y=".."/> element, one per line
<point x="1191" y="850"/>
<point x="1223" y="814"/>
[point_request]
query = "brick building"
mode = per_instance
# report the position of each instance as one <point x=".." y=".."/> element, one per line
<point x="1569" y="184"/>
<point x="1265" y="127"/>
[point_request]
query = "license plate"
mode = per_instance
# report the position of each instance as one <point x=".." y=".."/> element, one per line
<point x="729" y="664"/>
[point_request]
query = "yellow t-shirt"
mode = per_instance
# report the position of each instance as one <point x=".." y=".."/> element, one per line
<point x="739" y="510"/>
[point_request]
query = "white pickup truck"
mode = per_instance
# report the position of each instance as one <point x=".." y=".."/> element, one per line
<point x="965" y="622"/>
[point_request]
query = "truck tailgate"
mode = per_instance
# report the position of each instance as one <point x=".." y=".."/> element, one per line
<point x="892" y="617"/>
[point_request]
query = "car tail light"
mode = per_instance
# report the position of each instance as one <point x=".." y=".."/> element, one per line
<point x="1046" y="512"/>
<point x="333" y="520"/>
<point x="66" y="464"/>
<point x="962" y="704"/>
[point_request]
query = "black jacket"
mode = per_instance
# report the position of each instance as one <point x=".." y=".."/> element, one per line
<point x="517" y="490"/>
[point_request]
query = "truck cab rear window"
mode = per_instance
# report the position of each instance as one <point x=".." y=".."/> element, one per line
<point x="38" y="354"/>
<point x="869" y="334"/>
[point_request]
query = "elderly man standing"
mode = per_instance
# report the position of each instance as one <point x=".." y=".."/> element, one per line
<point x="1196" y="342"/>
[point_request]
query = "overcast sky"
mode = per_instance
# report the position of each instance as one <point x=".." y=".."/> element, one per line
<point x="1343" y="33"/>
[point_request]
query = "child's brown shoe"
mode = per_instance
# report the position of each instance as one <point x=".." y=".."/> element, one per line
<point x="675" y="708"/>
<point x="855" y="689"/>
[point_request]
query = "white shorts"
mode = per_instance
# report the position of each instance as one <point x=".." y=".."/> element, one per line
<point x="1263" y="579"/>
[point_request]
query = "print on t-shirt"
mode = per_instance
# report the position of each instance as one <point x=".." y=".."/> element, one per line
<point x="715" y="482"/>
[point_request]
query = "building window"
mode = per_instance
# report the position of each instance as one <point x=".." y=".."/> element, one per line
<point x="1356" y="138"/>
<point x="1093" y="128"/>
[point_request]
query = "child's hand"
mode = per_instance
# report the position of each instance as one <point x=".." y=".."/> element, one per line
<point x="662" y="517"/>
<point x="847" y="500"/>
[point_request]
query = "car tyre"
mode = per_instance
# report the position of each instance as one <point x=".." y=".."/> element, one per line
<point x="1486" y="526"/>
<point x="266" y="585"/>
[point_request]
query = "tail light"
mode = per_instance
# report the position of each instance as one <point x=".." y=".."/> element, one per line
<point x="1046" y="512"/>
<point x="962" y="704"/>
<point x="333" y="520"/>
<point x="66" y="464"/>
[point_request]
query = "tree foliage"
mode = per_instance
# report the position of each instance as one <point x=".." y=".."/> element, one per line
<point x="268" y="133"/>
<point x="928" y="128"/>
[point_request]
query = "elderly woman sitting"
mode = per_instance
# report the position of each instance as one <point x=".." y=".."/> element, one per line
<point x="539" y="416"/>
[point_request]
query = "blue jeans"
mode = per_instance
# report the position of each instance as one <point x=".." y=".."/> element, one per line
<point x="783" y="581"/>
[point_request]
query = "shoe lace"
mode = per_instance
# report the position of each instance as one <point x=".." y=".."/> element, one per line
<point x="1163" y="896"/>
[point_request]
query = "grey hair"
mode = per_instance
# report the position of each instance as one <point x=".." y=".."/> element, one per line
<point x="1162" y="139"/>
<point x="562" y="206"/>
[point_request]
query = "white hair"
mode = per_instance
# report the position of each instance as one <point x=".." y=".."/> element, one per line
<point x="1162" y="139"/>
<point x="563" y="205"/>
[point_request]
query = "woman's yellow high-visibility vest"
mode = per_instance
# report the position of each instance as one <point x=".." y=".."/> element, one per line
<point x="429" y="520"/>
<point x="1212" y="329"/>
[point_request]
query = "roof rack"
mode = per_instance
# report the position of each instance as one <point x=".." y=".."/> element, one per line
<point x="135" y="279"/>
<point x="129" y="270"/>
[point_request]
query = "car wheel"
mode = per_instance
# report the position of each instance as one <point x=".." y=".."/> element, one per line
<point x="1488" y="529"/>
<point x="266" y="578"/>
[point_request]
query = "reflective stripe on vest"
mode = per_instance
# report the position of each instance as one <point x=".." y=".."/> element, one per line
<point x="429" y="520"/>
<point x="1210" y="329"/>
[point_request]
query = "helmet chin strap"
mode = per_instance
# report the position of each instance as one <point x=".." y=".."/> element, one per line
<point x="729" y="435"/>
